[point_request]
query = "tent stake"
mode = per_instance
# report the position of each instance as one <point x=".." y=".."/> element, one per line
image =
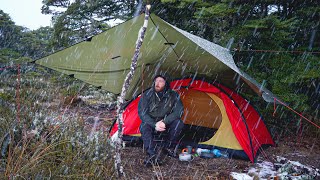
<point x="121" y="98"/>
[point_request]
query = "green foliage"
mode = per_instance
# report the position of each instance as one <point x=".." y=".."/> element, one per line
<point x="33" y="74"/>
<point x="10" y="33"/>
<point x="42" y="145"/>
<point x="219" y="10"/>
<point x="60" y="155"/>
<point x="19" y="43"/>
<point x="70" y="91"/>
<point x="289" y="77"/>
<point x="168" y="1"/>
<point x="22" y="60"/>
<point x="7" y="55"/>
<point x="83" y="18"/>
<point x="6" y="97"/>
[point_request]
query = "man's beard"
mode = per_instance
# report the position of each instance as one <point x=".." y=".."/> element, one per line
<point x="159" y="89"/>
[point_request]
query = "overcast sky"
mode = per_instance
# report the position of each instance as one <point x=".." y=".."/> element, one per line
<point x="26" y="13"/>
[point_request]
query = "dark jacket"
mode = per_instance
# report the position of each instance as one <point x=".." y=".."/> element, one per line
<point x="152" y="108"/>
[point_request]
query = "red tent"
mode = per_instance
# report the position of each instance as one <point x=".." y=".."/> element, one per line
<point x="237" y="126"/>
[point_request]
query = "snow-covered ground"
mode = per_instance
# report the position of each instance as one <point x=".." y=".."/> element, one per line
<point x="281" y="169"/>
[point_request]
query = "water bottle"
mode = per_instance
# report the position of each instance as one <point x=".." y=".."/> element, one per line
<point x="218" y="153"/>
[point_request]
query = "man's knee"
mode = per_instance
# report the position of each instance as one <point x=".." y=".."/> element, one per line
<point x="177" y="125"/>
<point x="175" y="128"/>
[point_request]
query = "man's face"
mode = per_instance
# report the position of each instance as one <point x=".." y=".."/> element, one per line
<point x="159" y="84"/>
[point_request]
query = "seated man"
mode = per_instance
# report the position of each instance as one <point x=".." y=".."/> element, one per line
<point x="160" y="110"/>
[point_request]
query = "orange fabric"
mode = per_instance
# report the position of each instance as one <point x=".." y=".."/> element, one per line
<point x="199" y="109"/>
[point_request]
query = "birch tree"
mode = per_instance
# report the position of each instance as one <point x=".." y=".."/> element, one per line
<point x="121" y="98"/>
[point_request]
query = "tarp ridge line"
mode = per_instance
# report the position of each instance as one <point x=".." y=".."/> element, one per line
<point x="169" y="43"/>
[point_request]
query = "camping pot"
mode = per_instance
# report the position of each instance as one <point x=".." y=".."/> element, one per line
<point x="185" y="156"/>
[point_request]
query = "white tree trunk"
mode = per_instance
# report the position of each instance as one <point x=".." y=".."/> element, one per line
<point x="121" y="98"/>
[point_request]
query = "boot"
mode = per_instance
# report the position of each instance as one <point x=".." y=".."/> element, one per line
<point x="171" y="152"/>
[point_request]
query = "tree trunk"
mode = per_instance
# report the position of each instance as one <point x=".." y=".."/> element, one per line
<point x="126" y="84"/>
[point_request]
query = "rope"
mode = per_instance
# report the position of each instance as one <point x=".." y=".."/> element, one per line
<point x="275" y="99"/>
<point x="6" y="67"/>
<point x="275" y="51"/>
<point x="264" y="154"/>
<point x="274" y="107"/>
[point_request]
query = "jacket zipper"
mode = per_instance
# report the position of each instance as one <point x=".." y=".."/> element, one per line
<point x="158" y="97"/>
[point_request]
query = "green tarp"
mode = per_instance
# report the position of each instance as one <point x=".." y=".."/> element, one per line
<point x="104" y="60"/>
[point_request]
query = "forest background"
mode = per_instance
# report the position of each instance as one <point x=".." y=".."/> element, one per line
<point x="276" y="42"/>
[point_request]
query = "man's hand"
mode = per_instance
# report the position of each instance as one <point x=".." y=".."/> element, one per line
<point x="160" y="126"/>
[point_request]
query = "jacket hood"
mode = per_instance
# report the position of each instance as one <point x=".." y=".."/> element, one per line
<point x="166" y="77"/>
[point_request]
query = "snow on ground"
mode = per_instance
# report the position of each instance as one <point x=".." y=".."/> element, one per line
<point x="241" y="176"/>
<point x="281" y="169"/>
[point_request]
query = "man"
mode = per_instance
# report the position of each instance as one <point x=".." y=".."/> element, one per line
<point x="160" y="110"/>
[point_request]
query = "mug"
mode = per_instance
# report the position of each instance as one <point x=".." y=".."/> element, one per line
<point x="189" y="149"/>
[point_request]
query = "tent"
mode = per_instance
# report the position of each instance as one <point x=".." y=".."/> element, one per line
<point x="206" y="69"/>
<point x="215" y="116"/>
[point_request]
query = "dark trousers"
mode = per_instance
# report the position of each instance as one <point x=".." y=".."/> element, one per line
<point x="148" y="132"/>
